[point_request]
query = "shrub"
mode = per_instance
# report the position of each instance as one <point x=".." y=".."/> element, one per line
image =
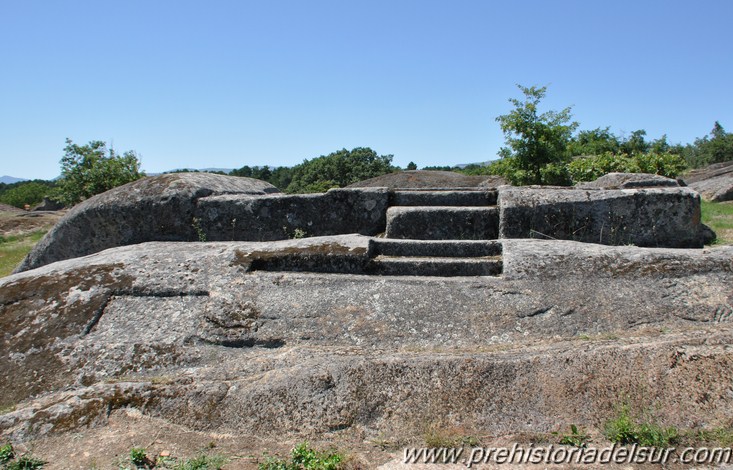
<point x="27" y="192"/>
<point x="624" y="429"/>
<point x="304" y="458"/>
<point x="593" y="167"/>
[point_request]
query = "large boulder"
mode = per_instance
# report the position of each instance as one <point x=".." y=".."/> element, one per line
<point x="629" y="181"/>
<point x="716" y="189"/>
<point x="154" y="208"/>
<point x="710" y="171"/>
<point x="656" y="217"/>
<point x="193" y="334"/>
<point x="279" y="216"/>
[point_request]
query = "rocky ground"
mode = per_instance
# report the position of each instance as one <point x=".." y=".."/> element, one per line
<point x="187" y="338"/>
<point x="17" y="222"/>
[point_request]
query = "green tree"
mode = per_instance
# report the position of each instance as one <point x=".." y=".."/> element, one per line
<point x="635" y="143"/>
<point x="411" y="166"/>
<point x="338" y="169"/>
<point x="534" y="141"/>
<point x="715" y="148"/>
<point x="91" y="169"/>
<point x="26" y="192"/>
<point x="594" y="142"/>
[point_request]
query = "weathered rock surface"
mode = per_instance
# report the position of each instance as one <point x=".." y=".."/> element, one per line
<point x="710" y="171"/>
<point x="443" y="222"/>
<point x="154" y="208"/>
<point x="667" y="217"/>
<point x="12" y="209"/>
<point x="629" y="181"/>
<point x="279" y="216"/>
<point x="429" y="179"/>
<point x="49" y="205"/>
<point x="717" y="189"/>
<point x="190" y="333"/>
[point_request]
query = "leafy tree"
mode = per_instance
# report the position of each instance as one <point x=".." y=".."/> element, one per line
<point x="279" y="177"/>
<point x="635" y="143"/>
<point x="715" y="148"/>
<point x="411" y="166"/>
<point x="535" y="140"/>
<point x="338" y="169"/>
<point x="26" y="192"/>
<point x="91" y="169"/>
<point x="594" y="142"/>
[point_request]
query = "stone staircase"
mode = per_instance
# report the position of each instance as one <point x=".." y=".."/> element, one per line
<point x="440" y="232"/>
<point x="429" y="232"/>
<point x="435" y="257"/>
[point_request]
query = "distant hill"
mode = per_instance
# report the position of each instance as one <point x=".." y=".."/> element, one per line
<point x="11" y="179"/>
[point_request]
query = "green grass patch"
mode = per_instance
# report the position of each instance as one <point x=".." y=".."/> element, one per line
<point x="14" y="248"/>
<point x="11" y="460"/>
<point x="303" y="457"/>
<point x="627" y="429"/>
<point x="719" y="217"/>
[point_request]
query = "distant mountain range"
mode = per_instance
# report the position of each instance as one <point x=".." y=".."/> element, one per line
<point x="11" y="179"/>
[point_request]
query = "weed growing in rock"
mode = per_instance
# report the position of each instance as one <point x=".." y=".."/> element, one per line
<point x="437" y="437"/>
<point x="576" y="437"/>
<point x="196" y="224"/>
<point x="296" y="234"/>
<point x="304" y="458"/>
<point x="9" y="460"/>
<point x="140" y="460"/>
<point x="202" y="462"/>
<point x="625" y="429"/>
<point x="6" y="453"/>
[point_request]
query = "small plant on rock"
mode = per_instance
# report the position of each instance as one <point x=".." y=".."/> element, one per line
<point x="624" y="429"/>
<point x="575" y="438"/>
<point x="6" y="453"/>
<point x="304" y="457"/>
<point x="9" y="460"/>
<point x="139" y="458"/>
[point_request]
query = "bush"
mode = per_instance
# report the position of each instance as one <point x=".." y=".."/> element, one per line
<point x="624" y="429"/>
<point x="593" y="167"/>
<point x="27" y="192"/>
<point x="338" y="169"/>
<point x="304" y="458"/>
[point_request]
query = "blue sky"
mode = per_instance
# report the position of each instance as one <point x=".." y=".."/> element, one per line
<point x="233" y="83"/>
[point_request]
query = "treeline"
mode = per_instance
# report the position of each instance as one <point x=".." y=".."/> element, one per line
<point x="544" y="148"/>
<point x="335" y="170"/>
<point x="25" y="192"/>
<point x="540" y="148"/>
<point x="594" y="153"/>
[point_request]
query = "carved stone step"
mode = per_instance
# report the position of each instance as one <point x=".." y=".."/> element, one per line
<point x="443" y="198"/>
<point x="443" y="223"/>
<point x="438" y="248"/>
<point x="432" y="266"/>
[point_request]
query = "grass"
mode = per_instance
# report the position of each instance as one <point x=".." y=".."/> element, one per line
<point x="14" y="248"/>
<point x="139" y="459"/>
<point x="437" y="437"/>
<point x="303" y="457"/>
<point x="10" y="460"/>
<point x="576" y="438"/>
<point x="719" y="217"/>
<point x="627" y="429"/>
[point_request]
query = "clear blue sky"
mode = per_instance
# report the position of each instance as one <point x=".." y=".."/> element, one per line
<point x="231" y="83"/>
